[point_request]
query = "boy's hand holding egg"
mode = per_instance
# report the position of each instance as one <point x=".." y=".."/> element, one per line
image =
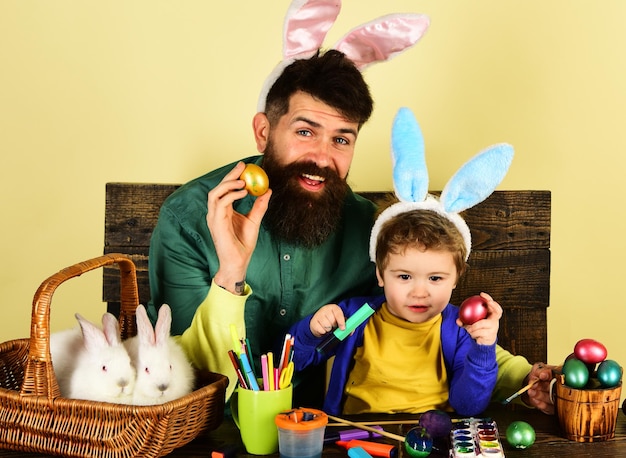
<point x="473" y="309"/>
<point x="480" y="316"/>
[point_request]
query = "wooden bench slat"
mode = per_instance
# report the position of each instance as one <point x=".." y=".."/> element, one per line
<point x="131" y="212"/>
<point x="506" y="219"/>
<point x="510" y="256"/>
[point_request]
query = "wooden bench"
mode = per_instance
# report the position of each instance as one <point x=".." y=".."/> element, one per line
<point x="510" y="256"/>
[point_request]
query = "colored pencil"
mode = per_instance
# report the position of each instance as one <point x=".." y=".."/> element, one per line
<point x="233" y="359"/>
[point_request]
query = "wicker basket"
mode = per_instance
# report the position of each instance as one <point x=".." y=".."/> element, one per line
<point x="35" y="418"/>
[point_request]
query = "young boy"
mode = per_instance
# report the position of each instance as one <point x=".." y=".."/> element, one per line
<point x="412" y="354"/>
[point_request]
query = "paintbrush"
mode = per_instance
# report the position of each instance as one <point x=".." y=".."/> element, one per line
<point x="519" y="392"/>
<point x="380" y="423"/>
<point x="367" y="428"/>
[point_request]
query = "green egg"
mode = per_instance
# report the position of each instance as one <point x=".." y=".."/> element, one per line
<point x="520" y="435"/>
<point x="576" y="373"/>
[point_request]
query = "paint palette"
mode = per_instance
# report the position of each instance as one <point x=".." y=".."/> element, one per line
<point x="475" y="437"/>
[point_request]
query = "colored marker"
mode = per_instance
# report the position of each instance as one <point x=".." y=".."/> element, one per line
<point x="338" y="335"/>
<point x="246" y="346"/>
<point x="227" y="451"/>
<point x="349" y="434"/>
<point x="373" y="448"/>
<point x="276" y="378"/>
<point x="288" y="352"/>
<point x="270" y="369"/>
<point x="266" y="378"/>
<point x="291" y="350"/>
<point x="358" y="452"/>
<point x="247" y="369"/>
<point x="285" y="351"/>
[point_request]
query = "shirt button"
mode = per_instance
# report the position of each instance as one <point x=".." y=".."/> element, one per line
<point x="283" y="312"/>
<point x="286" y="257"/>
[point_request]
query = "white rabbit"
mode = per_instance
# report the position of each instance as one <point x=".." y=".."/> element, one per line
<point x="92" y="363"/>
<point x="163" y="371"/>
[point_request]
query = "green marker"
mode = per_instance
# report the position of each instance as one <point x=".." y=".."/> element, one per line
<point x="338" y="335"/>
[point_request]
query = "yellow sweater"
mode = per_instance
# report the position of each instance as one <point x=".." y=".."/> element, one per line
<point x="399" y="367"/>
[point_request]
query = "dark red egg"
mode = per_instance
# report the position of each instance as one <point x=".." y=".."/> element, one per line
<point x="590" y="351"/>
<point x="473" y="309"/>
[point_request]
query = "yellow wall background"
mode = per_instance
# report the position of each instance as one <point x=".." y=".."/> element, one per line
<point x="162" y="91"/>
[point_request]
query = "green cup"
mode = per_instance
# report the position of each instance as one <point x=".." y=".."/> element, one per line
<point x="254" y="413"/>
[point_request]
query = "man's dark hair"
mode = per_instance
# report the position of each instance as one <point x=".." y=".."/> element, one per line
<point x="329" y="77"/>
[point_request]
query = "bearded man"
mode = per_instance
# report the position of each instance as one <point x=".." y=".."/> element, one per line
<point x="263" y="263"/>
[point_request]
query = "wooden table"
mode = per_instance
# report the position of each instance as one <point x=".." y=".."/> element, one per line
<point x="548" y="441"/>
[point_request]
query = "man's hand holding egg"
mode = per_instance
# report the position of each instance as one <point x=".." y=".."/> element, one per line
<point x="257" y="182"/>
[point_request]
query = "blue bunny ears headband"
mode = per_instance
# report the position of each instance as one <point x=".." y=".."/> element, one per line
<point x="470" y="185"/>
<point x="308" y="21"/>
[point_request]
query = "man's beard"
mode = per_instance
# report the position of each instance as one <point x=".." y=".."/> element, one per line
<point x="298" y="216"/>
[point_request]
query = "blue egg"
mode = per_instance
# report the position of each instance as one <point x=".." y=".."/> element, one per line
<point x="609" y="373"/>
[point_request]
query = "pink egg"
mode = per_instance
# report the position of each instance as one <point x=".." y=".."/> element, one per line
<point x="590" y="351"/>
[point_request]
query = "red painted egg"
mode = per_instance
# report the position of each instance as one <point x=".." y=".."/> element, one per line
<point x="590" y="351"/>
<point x="473" y="309"/>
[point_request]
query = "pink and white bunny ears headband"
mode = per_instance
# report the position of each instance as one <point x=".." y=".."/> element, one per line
<point x="470" y="185"/>
<point x="307" y="22"/>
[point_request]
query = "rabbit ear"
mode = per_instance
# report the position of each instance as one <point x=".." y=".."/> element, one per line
<point x="111" y="328"/>
<point x="383" y="38"/>
<point x="163" y="324"/>
<point x="477" y="178"/>
<point x="410" y="175"/>
<point x="145" y="331"/>
<point x="306" y="24"/>
<point x="93" y="337"/>
<point x="472" y="183"/>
